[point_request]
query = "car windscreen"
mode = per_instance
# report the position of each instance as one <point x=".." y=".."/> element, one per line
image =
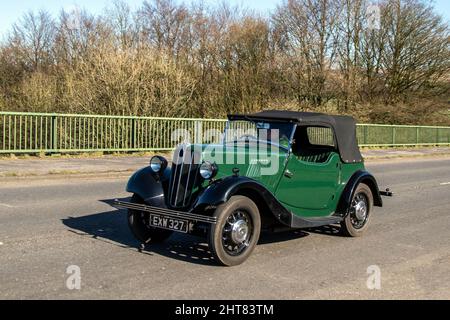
<point x="276" y="133"/>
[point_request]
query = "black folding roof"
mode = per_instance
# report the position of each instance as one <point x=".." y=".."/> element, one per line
<point x="344" y="127"/>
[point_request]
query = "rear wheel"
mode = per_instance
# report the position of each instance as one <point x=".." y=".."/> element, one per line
<point x="357" y="220"/>
<point x="139" y="223"/>
<point x="234" y="236"/>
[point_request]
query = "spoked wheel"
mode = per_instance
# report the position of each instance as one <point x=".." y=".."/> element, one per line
<point x="357" y="219"/>
<point x="358" y="211"/>
<point x="234" y="236"/>
<point x="236" y="232"/>
<point x="139" y="223"/>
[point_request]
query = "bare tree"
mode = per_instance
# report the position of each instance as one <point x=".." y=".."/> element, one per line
<point x="32" y="40"/>
<point x="78" y="33"/>
<point x="200" y="60"/>
<point x="122" y="22"/>
<point x="308" y="39"/>
<point x="165" y="25"/>
<point x="417" y="48"/>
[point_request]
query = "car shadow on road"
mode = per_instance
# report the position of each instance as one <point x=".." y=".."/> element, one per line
<point x="330" y="230"/>
<point x="292" y="234"/>
<point x="112" y="227"/>
<point x="268" y="237"/>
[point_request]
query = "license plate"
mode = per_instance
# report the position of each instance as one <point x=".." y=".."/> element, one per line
<point x="173" y="224"/>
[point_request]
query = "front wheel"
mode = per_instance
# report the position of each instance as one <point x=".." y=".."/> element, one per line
<point x="236" y="233"/>
<point x="139" y="223"/>
<point x="358" y="217"/>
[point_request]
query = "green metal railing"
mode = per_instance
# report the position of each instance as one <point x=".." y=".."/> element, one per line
<point x="64" y="133"/>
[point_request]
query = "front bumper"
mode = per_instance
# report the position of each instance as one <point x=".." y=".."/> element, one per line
<point x="192" y="217"/>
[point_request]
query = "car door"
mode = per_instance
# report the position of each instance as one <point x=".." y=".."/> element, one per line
<point x="309" y="187"/>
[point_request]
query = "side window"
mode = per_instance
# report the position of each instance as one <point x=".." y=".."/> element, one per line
<point x="313" y="144"/>
<point x="320" y="136"/>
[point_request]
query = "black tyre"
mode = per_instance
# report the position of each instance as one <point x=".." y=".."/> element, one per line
<point x="236" y="233"/>
<point x="357" y="220"/>
<point x="140" y="225"/>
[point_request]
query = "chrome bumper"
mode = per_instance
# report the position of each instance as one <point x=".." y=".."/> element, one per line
<point x="165" y="212"/>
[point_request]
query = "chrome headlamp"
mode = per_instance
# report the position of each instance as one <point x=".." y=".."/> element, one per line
<point x="208" y="170"/>
<point x="158" y="164"/>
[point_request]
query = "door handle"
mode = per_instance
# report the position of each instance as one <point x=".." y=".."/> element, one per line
<point x="288" y="174"/>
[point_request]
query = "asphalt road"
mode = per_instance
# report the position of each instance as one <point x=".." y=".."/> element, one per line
<point x="48" y="225"/>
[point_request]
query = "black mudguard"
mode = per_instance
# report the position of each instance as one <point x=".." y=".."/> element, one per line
<point x="149" y="186"/>
<point x="221" y="191"/>
<point x="360" y="176"/>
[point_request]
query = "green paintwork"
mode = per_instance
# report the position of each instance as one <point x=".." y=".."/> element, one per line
<point x="313" y="190"/>
<point x="247" y="161"/>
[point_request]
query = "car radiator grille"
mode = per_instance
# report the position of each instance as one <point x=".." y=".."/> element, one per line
<point x="184" y="177"/>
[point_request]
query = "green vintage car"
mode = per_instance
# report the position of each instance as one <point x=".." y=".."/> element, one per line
<point x="274" y="170"/>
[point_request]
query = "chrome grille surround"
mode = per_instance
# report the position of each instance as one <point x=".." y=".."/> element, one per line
<point x="184" y="176"/>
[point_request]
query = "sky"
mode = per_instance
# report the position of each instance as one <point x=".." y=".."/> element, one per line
<point x="12" y="10"/>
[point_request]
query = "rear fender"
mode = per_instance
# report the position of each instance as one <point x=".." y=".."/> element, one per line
<point x="360" y="176"/>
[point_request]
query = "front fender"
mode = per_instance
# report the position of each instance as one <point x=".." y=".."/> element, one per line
<point x="360" y="176"/>
<point x="221" y="191"/>
<point x="149" y="186"/>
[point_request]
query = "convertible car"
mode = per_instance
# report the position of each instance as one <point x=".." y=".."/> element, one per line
<point x="274" y="170"/>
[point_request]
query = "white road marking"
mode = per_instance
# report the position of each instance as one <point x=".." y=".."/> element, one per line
<point x="6" y="205"/>
<point x="1" y="243"/>
<point x="445" y="183"/>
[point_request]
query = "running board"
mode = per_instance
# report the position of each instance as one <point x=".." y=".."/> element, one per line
<point x="299" y="222"/>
